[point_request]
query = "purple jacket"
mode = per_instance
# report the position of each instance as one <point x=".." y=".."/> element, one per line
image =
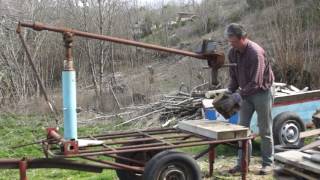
<point x="252" y="73"/>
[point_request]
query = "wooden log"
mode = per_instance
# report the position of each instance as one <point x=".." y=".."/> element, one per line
<point x="293" y="88"/>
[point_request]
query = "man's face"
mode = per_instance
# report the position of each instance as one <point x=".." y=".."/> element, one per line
<point x="237" y="43"/>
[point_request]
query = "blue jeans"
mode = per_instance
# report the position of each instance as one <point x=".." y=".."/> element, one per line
<point x="261" y="103"/>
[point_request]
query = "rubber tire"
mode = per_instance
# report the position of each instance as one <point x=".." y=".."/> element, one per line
<point x="282" y="118"/>
<point x="279" y="148"/>
<point x="154" y="167"/>
<point x="128" y="175"/>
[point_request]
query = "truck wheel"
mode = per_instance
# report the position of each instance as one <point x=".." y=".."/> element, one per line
<point x="280" y="148"/>
<point x="172" y="165"/>
<point x="140" y="156"/>
<point x="286" y="129"/>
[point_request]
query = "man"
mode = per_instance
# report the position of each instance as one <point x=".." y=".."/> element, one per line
<point x="252" y="77"/>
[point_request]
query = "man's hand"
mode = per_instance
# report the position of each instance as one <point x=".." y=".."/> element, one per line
<point x="228" y="104"/>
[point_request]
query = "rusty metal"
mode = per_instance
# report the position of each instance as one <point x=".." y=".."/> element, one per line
<point x="212" y="156"/>
<point x="126" y="159"/>
<point x="131" y="134"/>
<point x="52" y="108"/>
<point x="171" y="143"/>
<point x="178" y="139"/>
<point x="52" y="133"/>
<point x="149" y="139"/>
<point x="69" y="147"/>
<point x="244" y="161"/>
<point x="202" y="153"/>
<point x="160" y="147"/>
<point x="23" y="169"/>
<point x="52" y="163"/>
<point x="128" y="167"/>
<point x="68" y="63"/>
<point x="215" y="60"/>
<point x="127" y="133"/>
<point x="147" y="145"/>
<point x="116" y="145"/>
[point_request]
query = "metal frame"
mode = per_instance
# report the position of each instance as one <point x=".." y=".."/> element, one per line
<point x="67" y="154"/>
<point x="88" y="158"/>
<point x="119" y="143"/>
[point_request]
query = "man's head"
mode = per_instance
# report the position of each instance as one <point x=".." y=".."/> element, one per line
<point x="236" y="35"/>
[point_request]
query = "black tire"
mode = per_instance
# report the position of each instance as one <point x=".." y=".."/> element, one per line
<point x="280" y="148"/>
<point x="172" y="165"/>
<point x="140" y="156"/>
<point x="286" y="129"/>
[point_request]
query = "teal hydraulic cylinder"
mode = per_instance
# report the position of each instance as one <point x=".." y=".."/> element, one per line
<point x="69" y="105"/>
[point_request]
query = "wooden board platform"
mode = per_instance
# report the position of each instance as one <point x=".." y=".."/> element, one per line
<point x="295" y="158"/>
<point x="214" y="129"/>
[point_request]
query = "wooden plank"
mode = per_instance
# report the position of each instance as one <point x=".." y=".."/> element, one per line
<point x="311" y="145"/>
<point x="310" y="133"/>
<point x="214" y="129"/>
<point x="295" y="158"/>
<point x="309" y="95"/>
<point x="296" y="172"/>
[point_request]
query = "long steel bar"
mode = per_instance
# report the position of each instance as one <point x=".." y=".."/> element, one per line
<point x="39" y="27"/>
<point x="127" y="167"/>
<point x="51" y="163"/>
<point x="155" y="148"/>
<point x="141" y="146"/>
<point x="135" y="135"/>
<point x="41" y="85"/>
<point x="182" y="136"/>
<point x="130" y="132"/>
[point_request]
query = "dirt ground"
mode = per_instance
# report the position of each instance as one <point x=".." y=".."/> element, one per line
<point x="223" y="164"/>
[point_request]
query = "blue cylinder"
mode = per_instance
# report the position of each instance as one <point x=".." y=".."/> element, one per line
<point x="69" y="105"/>
<point x="234" y="119"/>
<point x="210" y="113"/>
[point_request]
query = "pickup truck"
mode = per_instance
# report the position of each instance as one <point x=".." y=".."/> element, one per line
<point x="291" y="114"/>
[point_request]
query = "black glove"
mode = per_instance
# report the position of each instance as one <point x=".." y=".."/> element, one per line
<point x="228" y="105"/>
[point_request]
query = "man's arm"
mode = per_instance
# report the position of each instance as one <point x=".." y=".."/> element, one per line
<point x="256" y="71"/>
<point x="233" y="83"/>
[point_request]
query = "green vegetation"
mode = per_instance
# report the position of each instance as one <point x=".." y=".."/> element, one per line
<point x="21" y="129"/>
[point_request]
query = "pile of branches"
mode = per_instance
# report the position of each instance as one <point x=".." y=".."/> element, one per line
<point x="181" y="107"/>
<point x="170" y="109"/>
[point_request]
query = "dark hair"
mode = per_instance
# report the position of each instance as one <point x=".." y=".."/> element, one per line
<point x="236" y="30"/>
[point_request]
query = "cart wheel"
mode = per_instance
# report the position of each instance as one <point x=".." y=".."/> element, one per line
<point x="286" y="129"/>
<point x="140" y="156"/>
<point x="171" y="165"/>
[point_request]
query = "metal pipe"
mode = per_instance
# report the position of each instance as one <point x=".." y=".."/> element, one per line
<point x="69" y="91"/>
<point x="52" y="163"/>
<point x="41" y="85"/>
<point x="244" y="160"/>
<point x="124" y="166"/>
<point x="23" y="169"/>
<point x="39" y="27"/>
<point x="147" y="145"/>
<point x="156" y="148"/>
<point x="132" y="134"/>
<point x="52" y="133"/>
<point x="139" y="140"/>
